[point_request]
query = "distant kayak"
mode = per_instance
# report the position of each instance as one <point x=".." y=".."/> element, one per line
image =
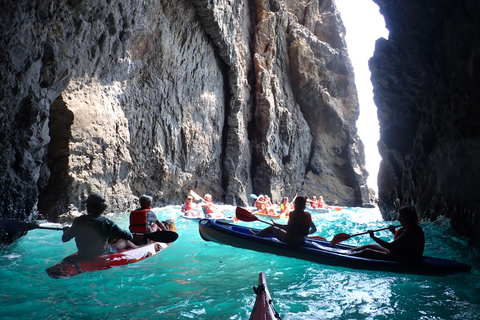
<point x="320" y="251"/>
<point x="317" y="210"/>
<point x="263" y="308"/>
<point x="73" y="265"/>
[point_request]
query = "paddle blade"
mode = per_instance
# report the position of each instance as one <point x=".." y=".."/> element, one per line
<point x="318" y="238"/>
<point x="245" y="215"/>
<point x="20" y="226"/>
<point x="339" y="238"/>
<point x="163" y="236"/>
<point x="195" y="195"/>
<point x="253" y="196"/>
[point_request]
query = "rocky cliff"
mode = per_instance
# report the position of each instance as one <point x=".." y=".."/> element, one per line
<point x="129" y="97"/>
<point x="425" y="79"/>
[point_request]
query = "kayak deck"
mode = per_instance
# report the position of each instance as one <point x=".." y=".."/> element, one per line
<point x="320" y="251"/>
<point x="263" y="309"/>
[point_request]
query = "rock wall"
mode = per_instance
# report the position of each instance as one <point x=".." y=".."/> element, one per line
<point x="129" y="97"/>
<point x="425" y="79"/>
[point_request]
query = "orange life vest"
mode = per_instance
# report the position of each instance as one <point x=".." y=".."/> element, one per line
<point x="188" y="206"/>
<point x="138" y="221"/>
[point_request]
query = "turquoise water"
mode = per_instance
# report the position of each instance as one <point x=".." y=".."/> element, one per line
<point x="194" y="279"/>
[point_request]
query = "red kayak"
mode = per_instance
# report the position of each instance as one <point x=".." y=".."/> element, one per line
<point x="263" y="308"/>
<point x="72" y="265"/>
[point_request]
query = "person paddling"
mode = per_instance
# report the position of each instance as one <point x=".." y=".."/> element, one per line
<point x="189" y="207"/>
<point x="408" y="243"/>
<point x="144" y="221"/>
<point x="299" y="225"/>
<point x="92" y="231"/>
<point x="209" y="208"/>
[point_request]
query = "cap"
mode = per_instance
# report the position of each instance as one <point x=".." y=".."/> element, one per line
<point x="96" y="198"/>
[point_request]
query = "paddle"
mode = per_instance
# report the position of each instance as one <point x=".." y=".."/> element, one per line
<point x="163" y="236"/>
<point x="247" y="216"/>
<point x="19" y="226"/>
<point x="254" y="196"/>
<point x="343" y="236"/>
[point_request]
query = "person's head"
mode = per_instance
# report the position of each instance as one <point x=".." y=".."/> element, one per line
<point x="285" y="200"/>
<point x="300" y="203"/>
<point x="95" y="204"/>
<point x="189" y="199"/>
<point x="208" y="197"/>
<point x="408" y="216"/>
<point x="145" y="201"/>
<point x="261" y="197"/>
<point x="314" y="198"/>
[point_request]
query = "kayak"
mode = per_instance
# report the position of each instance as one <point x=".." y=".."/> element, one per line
<point x="263" y="309"/>
<point x="317" y="210"/>
<point x="320" y="251"/>
<point x="73" y="265"/>
<point x="276" y="215"/>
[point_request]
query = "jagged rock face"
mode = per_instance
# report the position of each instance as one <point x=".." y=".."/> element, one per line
<point x="425" y="87"/>
<point x="132" y="97"/>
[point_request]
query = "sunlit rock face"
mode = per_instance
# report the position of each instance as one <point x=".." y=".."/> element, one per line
<point x="425" y="79"/>
<point x="160" y="97"/>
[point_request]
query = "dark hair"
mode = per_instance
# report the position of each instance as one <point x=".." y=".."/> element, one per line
<point x="409" y="215"/>
<point x="300" y="202"/>
<point x="96" y="209"/>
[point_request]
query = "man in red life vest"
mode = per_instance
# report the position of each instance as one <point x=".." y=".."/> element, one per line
<point x="144" y="220"/>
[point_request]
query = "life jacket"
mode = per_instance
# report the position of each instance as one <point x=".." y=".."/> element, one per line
<point x="188" y="207"/>
<point x="138" y="221"/>
<point x="208" y="208"/>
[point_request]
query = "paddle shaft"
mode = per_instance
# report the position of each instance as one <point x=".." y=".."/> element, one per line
<point x="386" y="228"/>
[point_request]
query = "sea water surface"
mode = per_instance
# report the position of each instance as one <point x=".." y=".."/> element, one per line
<point x="195" y="279"/>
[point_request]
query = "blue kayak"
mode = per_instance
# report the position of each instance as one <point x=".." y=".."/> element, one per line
<point x="320" y="251"/>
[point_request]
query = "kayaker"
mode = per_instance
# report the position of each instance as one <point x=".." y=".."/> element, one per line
<point x="264" y="205"/>
<point x="209" y="208"/>
<point x="299" y="225"/>
<point x="144" y="221"/>
<point x="408" y="243"/>
<point x="284" y="206"/>
<point x="189" y="207"/>
<point x="92" y="231"/>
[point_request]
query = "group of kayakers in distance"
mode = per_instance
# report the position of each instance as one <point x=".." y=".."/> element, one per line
<point x="93" y="231"/>
<point x="208" y="209"/>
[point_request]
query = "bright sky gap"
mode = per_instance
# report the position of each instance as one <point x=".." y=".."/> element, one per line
<point x="364" y="25"/>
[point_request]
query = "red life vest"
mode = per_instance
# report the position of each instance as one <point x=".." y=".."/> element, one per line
<point x="138" y="221"/>
<point x="209" y="208"/>
<point x="188" y="206"/>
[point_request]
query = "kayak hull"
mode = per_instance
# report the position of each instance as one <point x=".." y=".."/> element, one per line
<point x="319" y="251"/>
<point x="73" y="265"/>
<point x="263" y="309"/>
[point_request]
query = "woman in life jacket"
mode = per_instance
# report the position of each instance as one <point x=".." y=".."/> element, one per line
<point x="143" y="220"/>
<point x="299" y="225"/>
<point x="408" y="243"/>
<point x="189" y="208"/>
